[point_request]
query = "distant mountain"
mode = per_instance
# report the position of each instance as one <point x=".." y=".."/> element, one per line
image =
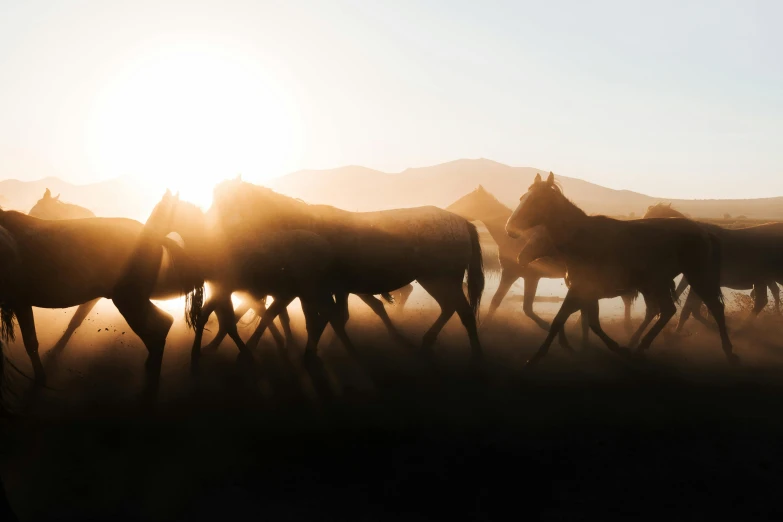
<point x="360" y="188"/>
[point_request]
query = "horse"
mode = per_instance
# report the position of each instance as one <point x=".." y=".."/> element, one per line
<point x="540" y="246"/>
<point x="607" y="257"/>
<point x="752" y="259"/>
<point x="49" y="207"/>
<point x="376" y="252"/>
<point x="69" y="262"/>
<point x="289" y="265"/>
<point x="481" y="205"/>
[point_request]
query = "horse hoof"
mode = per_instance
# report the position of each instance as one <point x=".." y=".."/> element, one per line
<point x="733" y="359"/>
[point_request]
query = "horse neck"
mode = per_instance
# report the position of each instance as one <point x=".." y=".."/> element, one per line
<point x="198" y="241"/>
<point x="564" y="224"/>
<point x="508" y="247"/>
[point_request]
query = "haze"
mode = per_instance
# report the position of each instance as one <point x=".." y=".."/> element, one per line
<point x="661" y="98"/>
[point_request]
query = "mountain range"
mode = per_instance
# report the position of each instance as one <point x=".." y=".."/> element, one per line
<point x="361" y="189"/>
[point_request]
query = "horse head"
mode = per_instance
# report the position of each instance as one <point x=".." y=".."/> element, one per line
<point x="172" y="214"/>
<point x="536" y="206"/>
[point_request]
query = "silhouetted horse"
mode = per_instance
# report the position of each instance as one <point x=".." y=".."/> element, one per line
<point x="540" y="245"/>
<point x="607" y="257"/>
<point x="69" y="262"/>
<point x="752" y="258"/>
<point x="49" y="207"/>
<point x="375" y="252"/>
<point x="480" y="205"/>
<point x="286" y="265"/>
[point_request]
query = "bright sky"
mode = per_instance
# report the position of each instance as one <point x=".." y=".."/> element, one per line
<point x="659" y="97"/>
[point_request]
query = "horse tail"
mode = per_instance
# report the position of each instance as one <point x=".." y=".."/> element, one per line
<point x="191" y="281"/>
<point x="475" y="271"/>
<point x="7" y="318"/>
<point x="386" y="296"/>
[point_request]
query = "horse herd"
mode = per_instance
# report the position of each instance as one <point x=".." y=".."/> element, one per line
<point x="261" y="243"/>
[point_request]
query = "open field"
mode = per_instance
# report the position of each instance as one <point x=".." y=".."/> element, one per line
<point x="398" y="435"/>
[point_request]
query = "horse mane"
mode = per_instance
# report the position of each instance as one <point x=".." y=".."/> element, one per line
<point x="664" y="209"/>
<point x="190" y="278"/>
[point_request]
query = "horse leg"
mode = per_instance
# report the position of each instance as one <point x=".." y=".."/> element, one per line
<point x="651" y="310"/>
<point x="278" y="307"/>
<point x="78" y="318"/>
<point x="206" y="310"/>
<point x="590" y="309"/>
<point x="531" y="285"/>
<point x="710" y="293"/>
<point x="571" y="304"/>
<point x="691" y="307"/>
<point x="338" y="318"/>
<point x="665" y="304"/>
<point x="152" y="325"/>
<point x="239" y="313"/>
<point x="227" y="320"/>
<point x="773" y="287"/>
<point x="760" y="302"/>
<point x="24" y="315"/>
<point x="377" y="306"/>
<point x="260" y="310"/>
<point x="628" y="302"/>
<point x="507" y="278"/>
<point x="469" y="322"/>
<point x="315" y="324"/>
<point x="405" y="292"/>
<point x="440" y="292"/>
<point x="681" y="286"/>
<point x="285" y="321"/>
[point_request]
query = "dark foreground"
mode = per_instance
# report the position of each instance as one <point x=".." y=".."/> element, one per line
<point x="399" y="437"/>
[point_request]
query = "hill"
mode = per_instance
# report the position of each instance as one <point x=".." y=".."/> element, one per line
<point x="360" y="188"/>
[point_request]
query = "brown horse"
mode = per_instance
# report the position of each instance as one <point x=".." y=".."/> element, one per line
<point x="540" y="245"/>
<point x="480" y="205"/>
<point x="69" y="262"/>
<point x="375" y="252"/>
<point x="752" y="259"/>
<point x="607" y="257"/>
<point x="49" y="207"/>
<point x="286" y="265"/>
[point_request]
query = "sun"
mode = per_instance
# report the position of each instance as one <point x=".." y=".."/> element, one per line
<point x="188" y="115"/>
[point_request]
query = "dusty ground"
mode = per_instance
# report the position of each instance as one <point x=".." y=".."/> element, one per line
<point x="393" y="435"/>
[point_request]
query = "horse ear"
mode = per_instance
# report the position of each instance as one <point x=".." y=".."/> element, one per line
<point x="551" y="179"/>
<point x="57" y="197"/>
<point x="167" y="195"/>
<point x="176" y="196"/>
<point x="47" y="194"/>
<point x="538" y="178"/>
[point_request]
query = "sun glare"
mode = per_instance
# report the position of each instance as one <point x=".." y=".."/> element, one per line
<point x="188" y="116"/>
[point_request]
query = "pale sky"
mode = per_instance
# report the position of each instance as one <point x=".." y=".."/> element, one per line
<point x="659" y="97"/>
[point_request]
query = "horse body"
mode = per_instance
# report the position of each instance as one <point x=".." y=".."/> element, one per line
<point x="607" y="257"/>
<point x="480" y="205"/>
<point x="66" y="263"/>
<point x="752" y="258"/>
<point x="375" y="252"/>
